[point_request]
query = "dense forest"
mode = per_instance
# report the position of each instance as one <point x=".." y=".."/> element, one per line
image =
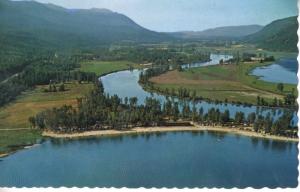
<point x="280" y="35"/>
<point x="99" y="111"/>
<point x="145" y="54"/>
<point x="42" y="71"/>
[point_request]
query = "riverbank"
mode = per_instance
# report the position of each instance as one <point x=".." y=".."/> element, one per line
<point x="141" y="130"/>
<point x="103" y="68"/>
<point x="221" y="83"/>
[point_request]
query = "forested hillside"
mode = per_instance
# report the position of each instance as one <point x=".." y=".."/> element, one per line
<point x="220" y="32"/>
<point x="280" y="35"/>
<point x="52" y="25"/>
<point x="29" y="29"/>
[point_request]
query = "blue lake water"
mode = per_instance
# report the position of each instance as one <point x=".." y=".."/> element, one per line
<point x="283" y="71"/>
<point x="178" y="159"/>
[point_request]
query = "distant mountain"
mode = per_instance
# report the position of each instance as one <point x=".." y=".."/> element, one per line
<point x="29" y="22"/>
<point x="219" y="32"/>
<point x="280" y="35"/>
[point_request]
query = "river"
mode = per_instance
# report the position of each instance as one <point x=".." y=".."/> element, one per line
<point x="125" y="84"/>
<point x="182" y="159"/>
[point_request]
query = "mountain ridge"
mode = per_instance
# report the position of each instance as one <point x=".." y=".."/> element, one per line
<point x="222" y="32"/>
<point x="53" y="24"/>
<point x="279" y="35"/>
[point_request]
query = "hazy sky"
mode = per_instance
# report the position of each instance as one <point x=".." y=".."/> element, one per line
<point x="178" y="15"/>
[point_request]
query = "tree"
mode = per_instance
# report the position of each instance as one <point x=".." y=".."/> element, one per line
<point x="32" y="121"/>
<point x="225" y="117"/>
<point x="168" y="108"/>
<point x="267" y="124"/>
<point x="61" y="87"/>
<point x="257" y="125"/>
<point x="175" y="111"/>
<point x="239" y="117"/>
<point x="179" y="68"/>
<point x="258" y="100"/>
<point x="40" y="120"/>
<point x="54" y="88"/>
<point x="280" y="87"/>
<point x="194" y="95"/>
<point x="275" y="127"/>
<point x="201" y="111"/>
<point x="289" y="99"/>
<point x="221" y="62"/>
<point x="251" y="118"/>
<point x="195" y="114"/>
<point x="133" y="102"/>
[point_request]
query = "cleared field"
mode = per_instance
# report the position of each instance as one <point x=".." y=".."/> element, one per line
<point x="220" y="82"/>
<point x="104" y="67"/>
<point x="16" y="114"/>
<point x="14" y="127"/>
<point x="13" y="140"/>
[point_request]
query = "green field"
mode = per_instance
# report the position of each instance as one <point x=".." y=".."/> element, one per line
<point x="14" y="127"/>
<point x="253" y="81"/>
<point x="222" y="81"/>
<point x="247" y="48"/>
<point x="13" y="140"/>
<point x="104" y="67"/>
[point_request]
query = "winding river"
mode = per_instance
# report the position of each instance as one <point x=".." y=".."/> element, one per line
<point x="125" y="84"/>
<point x="178" y="159"/>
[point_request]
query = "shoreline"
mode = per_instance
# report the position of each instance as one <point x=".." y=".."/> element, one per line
<point x="200" y="98"/>
<point x="159" y="129"/>
<point x="141" y="130"/>
<point x="3" y="155"/>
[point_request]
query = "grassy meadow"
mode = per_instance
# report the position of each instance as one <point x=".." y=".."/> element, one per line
<point x="14" y="126"/>
<point x="223" y="81"/>
<point x="104" y="67"/>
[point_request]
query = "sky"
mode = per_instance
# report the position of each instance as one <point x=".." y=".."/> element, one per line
<point x="191" y="15"/>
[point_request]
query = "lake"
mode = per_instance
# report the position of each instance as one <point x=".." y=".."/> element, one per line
<point x="178" y="159"/>
<point x="283" y="71"/>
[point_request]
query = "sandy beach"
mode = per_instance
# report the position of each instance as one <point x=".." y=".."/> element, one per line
<point x="3" y="155"/>
<point x="167" y="129"/>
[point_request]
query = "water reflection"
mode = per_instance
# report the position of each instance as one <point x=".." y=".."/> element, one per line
<point x="279" y="146"/>
<point x="254" y="141"/>
<point x="125" y="84"/>
<point x="179" y="159"/>
<point x="283" y="71"/>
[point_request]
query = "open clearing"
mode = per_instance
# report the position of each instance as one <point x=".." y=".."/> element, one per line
<point x="222" y="81"/>
<point x="14" y="126"/>
<point x="14" y="117"/>
<point x="104" y="67"/>
<point x="16" y="114"/>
